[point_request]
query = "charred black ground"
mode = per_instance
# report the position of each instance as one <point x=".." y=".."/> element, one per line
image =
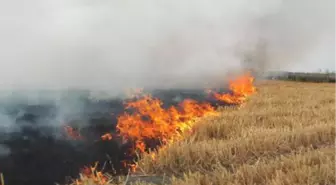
<point x="41" y="154"/>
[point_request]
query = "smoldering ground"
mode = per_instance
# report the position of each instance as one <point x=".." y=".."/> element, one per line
<point x="100" y="48"/>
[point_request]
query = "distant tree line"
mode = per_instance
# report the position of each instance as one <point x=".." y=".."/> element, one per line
<point x="303" y="77"/>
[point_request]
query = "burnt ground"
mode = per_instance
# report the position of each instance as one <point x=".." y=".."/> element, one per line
<point x="41" y="154"/>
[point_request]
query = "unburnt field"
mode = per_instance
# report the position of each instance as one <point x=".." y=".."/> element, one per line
<point x="283" y="135"/>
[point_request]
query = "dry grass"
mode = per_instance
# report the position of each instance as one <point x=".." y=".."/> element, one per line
<point x="283" y="135"/>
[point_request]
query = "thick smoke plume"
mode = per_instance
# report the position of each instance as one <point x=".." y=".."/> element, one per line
<point x="117" y="44"/>
<point x="109" y="46"/>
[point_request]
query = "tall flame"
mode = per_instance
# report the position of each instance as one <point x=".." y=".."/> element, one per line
<point x="161" y="124"/>
<point x="241" y="88"/>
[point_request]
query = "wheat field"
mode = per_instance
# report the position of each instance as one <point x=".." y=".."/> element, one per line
<point x="283" y="135"/>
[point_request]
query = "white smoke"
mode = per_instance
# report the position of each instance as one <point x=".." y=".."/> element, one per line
<point x="300" y="35"/>
<point x="118" y="44"/>
<point x="111" y="44"/>
<point x="4" y="150"/>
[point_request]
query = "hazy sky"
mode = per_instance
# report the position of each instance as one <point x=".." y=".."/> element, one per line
<point x="322" y="58"/>
<point x="117" y="44"/>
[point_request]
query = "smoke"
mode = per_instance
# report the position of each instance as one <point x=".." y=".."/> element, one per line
<point x="105" y="47"/>
<point x="300" y="36"/>
<point x="113" y="45"/>
<point x="4" y="150"/>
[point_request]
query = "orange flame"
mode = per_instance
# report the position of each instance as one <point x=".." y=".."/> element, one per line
<point x="72" y="133"/>
<point x="152" y="121"/>
<point x="165" y="125"/>
<point x="241" y="88"/>
<point x="106" y="136"/>
<point x="93" y="174"/>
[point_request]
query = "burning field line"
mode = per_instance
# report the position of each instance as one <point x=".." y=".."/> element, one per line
<point x="299" y="105"/>
<point x="257" y="144"/>
<point x="285" y="138"/>
<point x="150" y="121"/>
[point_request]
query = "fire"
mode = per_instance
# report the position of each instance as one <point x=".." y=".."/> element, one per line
<point x="241" y="88"/>
<point x="131" y="166"/>
<point x="150" y="121"/>
<point x="91" y="173"/>
<point x="168" y="125"/>
<point x="72" y="133"/>
<point x="161" y="124"/>
<point x="106" y="136"/>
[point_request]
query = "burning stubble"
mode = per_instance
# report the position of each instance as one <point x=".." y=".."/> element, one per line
<point x="54" y="55"/>
<point x="105" y="47"/>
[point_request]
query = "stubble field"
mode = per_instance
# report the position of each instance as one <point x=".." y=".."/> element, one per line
<point x="283" y="135"/>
